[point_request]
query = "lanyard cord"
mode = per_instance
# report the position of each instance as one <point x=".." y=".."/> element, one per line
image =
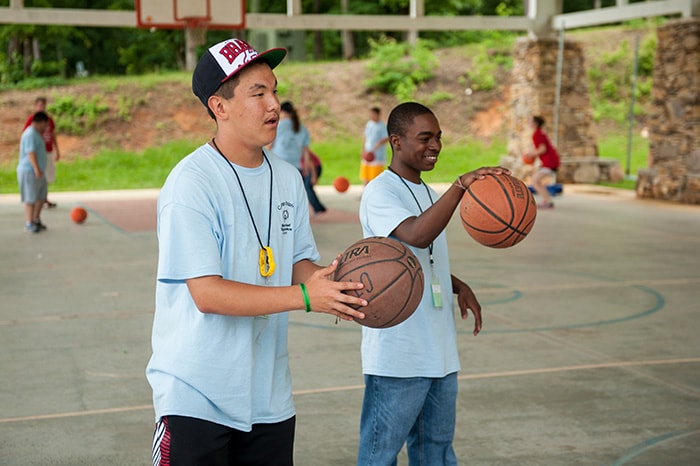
<point x="250" y="212"/>
<point x="430" y="247"/>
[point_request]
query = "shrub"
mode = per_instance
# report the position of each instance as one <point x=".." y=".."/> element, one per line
<point x="398" y="68"/>
<point x="42" y="69"/>
<point x="647" y="52"/>
<point x="74" y="116"/>
<point x="483" y="72"/>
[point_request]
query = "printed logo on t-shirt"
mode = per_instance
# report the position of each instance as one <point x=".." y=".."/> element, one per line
<point x="286" y="210"/>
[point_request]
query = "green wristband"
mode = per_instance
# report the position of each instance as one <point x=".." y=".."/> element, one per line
<point x="307" y="303"/>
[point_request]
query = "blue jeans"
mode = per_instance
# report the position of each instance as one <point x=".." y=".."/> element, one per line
<point x="419" y="411"/>
<point x="311" y="194"/>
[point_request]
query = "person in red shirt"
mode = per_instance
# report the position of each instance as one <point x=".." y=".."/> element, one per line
<point x="49" y="135"/>
<point x="549" y="161"/>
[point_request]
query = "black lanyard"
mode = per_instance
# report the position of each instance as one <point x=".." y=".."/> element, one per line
<point x="430" y="247"/>
<point x="267" y="262"/>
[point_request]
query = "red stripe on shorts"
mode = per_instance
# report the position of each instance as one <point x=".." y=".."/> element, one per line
<point x="161" y="443"/>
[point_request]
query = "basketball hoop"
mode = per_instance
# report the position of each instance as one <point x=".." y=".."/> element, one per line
<point x="196" y="29"/>
<point x="195" y="36"/>
<point x="190" y="14"/>
<point x="196" y="22"/>
<point x="196" y="17"/>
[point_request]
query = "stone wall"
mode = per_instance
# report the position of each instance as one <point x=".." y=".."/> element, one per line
<point x="674" y="127"/>
<point x="533" y="92"/>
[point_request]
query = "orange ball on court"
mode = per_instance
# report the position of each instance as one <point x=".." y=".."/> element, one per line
<point x="78" y="214"/>
<point x="341" y="184"/>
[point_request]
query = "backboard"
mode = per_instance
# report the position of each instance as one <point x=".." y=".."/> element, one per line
<point x="179" y="14"/>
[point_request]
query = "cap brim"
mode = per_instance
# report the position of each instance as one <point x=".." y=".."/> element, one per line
<point x="273" y="57"/>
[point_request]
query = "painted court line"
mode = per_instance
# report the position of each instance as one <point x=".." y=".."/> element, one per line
<point x="96" y="412"/>
<point x="651" y="443"/>
<point x="565" y="286"/>
<point x="596" y="285"/>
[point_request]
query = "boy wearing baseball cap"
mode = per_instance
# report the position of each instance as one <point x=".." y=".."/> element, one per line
<point x="236" y="252"/>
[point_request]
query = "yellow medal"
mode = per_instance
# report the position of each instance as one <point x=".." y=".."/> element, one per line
<point x="267" y="261"/>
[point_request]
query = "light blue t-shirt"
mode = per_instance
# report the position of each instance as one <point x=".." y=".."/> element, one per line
<point x="424" y="345"/>
<point x="375" y="131"/>
<point x="289" y="145"/>
<point x="233" y="371"/>
<point x="31" y="141"/>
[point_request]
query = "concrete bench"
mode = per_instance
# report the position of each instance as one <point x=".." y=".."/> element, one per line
<point x="589" y="170"/>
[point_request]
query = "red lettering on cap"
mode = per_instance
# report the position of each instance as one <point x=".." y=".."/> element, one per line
<point x="232" y="49"/>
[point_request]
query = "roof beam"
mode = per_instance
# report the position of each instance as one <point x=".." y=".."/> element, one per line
<point x="625" y="12"/>
<point x="68" y="17"/>
<point x="311" y="22"/>
<point x="16" y="14"/>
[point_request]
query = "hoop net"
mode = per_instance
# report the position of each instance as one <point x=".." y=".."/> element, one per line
<point x="197" y="29"/>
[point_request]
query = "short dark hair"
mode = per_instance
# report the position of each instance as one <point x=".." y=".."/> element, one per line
<point x="539" y="121"/>
<point x="40" y="117"/>
<point x="401" y="117"/>
<point x="227" y="89"/>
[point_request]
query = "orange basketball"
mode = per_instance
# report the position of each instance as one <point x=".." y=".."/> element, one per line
<point x="368" y="156"/>
<point x="528" y="159"/>
<point x="392" y="276"/>
<point x="498" y="211"/>
<point x="78" y="214"/>
<point x="341" y="184"/>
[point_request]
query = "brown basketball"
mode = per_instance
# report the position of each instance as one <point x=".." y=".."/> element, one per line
<point x="498" y="211"/>
<point x="392" y="276"/>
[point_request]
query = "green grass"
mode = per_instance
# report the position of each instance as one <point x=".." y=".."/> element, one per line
<point x="343" y="158"/>
<point x="149" y="169"/>
<point x="110" y="170"/>
<point x="614" y="146"/>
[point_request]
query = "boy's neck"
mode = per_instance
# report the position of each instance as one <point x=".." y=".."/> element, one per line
<point x="239" y="154"/>
<point x="404" y="172"/>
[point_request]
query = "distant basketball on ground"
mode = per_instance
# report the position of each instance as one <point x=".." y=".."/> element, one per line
<point x="528" y="159"/>
<point x="498" y="211"/>
<point x="368" y="156"/>
<point x="341" y="184"/>
<point x="78" y="214"/>
<point x="392" y="276"/>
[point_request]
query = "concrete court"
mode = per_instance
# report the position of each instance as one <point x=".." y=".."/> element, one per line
<point x="590" y="353"/>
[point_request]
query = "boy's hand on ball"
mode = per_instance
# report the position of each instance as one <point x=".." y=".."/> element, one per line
<point x="480" y="173"/>
<point x="327" y="295"/>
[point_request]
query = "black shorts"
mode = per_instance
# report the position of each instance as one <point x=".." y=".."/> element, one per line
<point x="179" y="440"/>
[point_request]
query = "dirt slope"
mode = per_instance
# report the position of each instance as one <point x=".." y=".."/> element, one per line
<point x="331" y="97"/>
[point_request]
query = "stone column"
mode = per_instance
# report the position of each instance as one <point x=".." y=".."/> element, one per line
<point x="674" y="123"/>
<point x="533" y="92"/>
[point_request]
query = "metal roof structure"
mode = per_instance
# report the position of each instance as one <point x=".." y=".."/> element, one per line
<point x="543" y="17"/>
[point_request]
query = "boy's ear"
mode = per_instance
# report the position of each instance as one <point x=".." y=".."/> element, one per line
<point x="216" y="106"/>
<point x="395" y="141"/>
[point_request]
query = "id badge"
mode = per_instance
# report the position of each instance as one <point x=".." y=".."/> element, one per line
<point x="437" y="292"/>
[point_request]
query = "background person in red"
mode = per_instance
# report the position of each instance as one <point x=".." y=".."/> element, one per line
<point x="49" y="135"/>
<point x="549" y="161"/>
